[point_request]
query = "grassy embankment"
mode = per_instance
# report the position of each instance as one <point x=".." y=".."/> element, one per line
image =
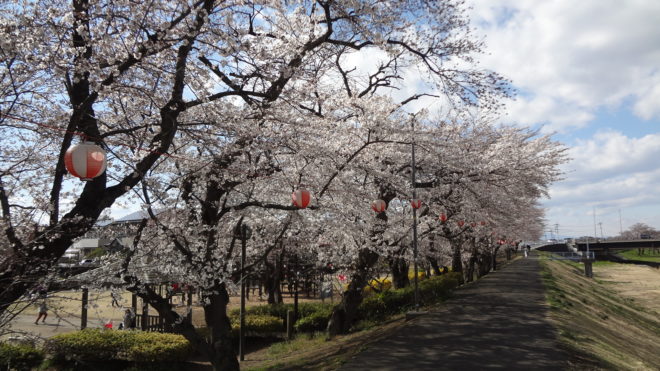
<point x="597" y="326"/>
<point x="648" y="256"/>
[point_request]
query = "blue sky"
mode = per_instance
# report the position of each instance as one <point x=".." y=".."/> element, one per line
<point x="589" y="71"/>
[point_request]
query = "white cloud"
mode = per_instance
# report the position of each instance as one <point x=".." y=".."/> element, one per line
<point x="608" y="173"/>
<point x="573" y="56"/>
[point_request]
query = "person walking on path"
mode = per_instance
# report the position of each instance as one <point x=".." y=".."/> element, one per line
<point x="115" y="302"/>
<point x="43" y="311"/>
<point x="129" y="320"/>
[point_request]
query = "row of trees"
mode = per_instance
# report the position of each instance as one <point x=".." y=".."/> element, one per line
<point x="216" y="111"/>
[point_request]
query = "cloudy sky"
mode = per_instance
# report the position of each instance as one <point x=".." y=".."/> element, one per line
<point x="588" y="71"/>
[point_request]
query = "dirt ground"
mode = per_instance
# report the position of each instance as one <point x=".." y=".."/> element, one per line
<point x="640" y="283"/>
<point x="68" y="304"/>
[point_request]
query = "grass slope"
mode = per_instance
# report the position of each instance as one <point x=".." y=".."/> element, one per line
<point x="649" y="255"/>
<point x="598" y="327"/>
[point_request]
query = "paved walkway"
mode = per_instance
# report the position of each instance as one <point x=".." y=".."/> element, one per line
<point x="498" y="322"/>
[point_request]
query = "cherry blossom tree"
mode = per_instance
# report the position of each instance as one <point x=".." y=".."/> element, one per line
<point x="256" y="92"/>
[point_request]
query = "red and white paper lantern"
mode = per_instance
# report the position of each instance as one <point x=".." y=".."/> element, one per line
<point x="460" y="223"/>
<point x="85" y="160"/>
<point x="379" y="206"/>
<point x="416" y="203"/>
<point x="443" y="217"/>
<point x="301" y="198"/>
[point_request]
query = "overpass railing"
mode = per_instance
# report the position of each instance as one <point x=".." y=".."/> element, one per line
<point x="577" y="256"/>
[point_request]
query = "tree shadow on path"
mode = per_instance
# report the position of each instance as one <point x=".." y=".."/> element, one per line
<point x="498" y="322"/>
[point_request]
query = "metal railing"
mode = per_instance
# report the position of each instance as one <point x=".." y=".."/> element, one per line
<point x="579" y="255"/>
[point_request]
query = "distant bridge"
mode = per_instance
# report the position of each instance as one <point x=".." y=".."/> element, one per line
<point x="604" y="250"/>
<point x="605" y="246"/>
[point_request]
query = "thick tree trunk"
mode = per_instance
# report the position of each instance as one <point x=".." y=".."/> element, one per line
<point x="469" y="271"/>
<point x="219" y="350"/>
<point x="456" y="263"/>
<point x="399" y="268"/>
<point x="483" y="264"/>
<point x="494" y="256"/>
<point x="222" y="356"/>
<point x="434" y="266"/>
<point x="345" y="313"/>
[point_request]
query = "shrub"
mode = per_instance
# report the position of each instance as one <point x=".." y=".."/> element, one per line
<point x="312" y="309"/>
<point x="420" y="275"/>
<point x="315" y="321"/>
<point x="258" y="323"/>
<point x="279" y="310"/>
<point x="376" y="286"/>
<point x="99" y="345"/>
<point x="386" y="303"/>
<point x="19" y="357"/>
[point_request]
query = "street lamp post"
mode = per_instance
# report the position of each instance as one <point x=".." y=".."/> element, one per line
<point x="414" y="196"/>
<point x="244" y="234"/>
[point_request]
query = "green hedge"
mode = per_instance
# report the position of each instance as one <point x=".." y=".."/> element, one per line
<point x="258" y="323"/>
<point x="312" y="317"/>
<point x="279" y="310"/>
<point x="19" y="357"/>
<point x="316" y="321"/>
<point x="136" y="346"/>
<point x="392" y="302"/>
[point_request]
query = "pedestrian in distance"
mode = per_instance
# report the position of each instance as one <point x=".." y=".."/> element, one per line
<point x="114" y="303"/>
<point x="43" y="311"/>
<point x="129" y="320"/>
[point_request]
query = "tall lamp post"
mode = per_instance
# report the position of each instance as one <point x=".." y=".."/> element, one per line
<point x="415" y="205"/>
<point x="244" y="233"/>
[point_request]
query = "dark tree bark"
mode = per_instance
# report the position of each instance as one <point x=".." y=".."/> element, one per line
<point x="399" y="268"/>
<point x="494" y="256"/>
<point x="434" y="265"/>
<point x="345" y="313"/>
<point x="456" y="262"/>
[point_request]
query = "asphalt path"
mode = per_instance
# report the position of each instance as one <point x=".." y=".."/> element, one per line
<point x="499" y="322"/>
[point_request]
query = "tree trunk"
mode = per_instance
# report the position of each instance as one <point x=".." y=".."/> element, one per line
<point x="456" y="263"/>
<point x="434" y="265"/>
<point x="273" y="281"/>
<point x="469" y="271"/>
<point x="345" y="313"/>
<point x="222" y="355"/>
<point x="483" y="264"/>
<point x="399" y="269"/>
<point x="219" y="350"/>
<point x="494" y="256"/>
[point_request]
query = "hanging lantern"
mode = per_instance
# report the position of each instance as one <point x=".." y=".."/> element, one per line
<point x="473" y="224"/>
<point x="443" y="217"/>
<point x="460" y="223"/>
<point x="415" y="203"/>
<point x="85" y="160"/>
<point x="379" y="206"/>
<point x="483" y="223"/>
<point x="301" y="198"/>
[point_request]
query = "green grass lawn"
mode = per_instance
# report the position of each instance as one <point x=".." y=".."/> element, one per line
<point x="648" y="255"/>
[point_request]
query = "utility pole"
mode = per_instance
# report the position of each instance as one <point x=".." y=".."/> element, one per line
<point x="557" y="230"/>
<point x="601" y="229"/>
<point x="595" y="233"/>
